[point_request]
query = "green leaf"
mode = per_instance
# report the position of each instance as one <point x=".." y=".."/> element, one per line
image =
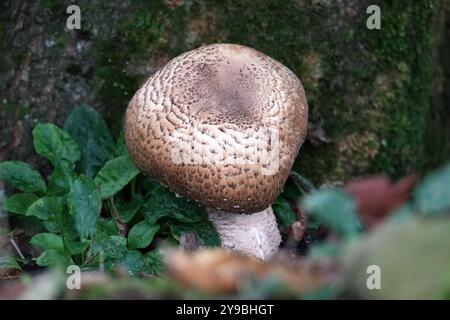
<point x="51" y="225"/>
<point x="284" y="212"/>
<point x="141" y="235"/>
<point x="45" y="207"/>
<point x="21" y="175"/>
<point x="113" y="247"/>
<point x="52" y="257"/>
<point x="115" y="175"/>
<point x="162" y="203"/>
<point x="91" y="133"/>
<point x="334" y="208"/>
<point x="7" y="263"/>
<point x="402" y="214"/>
<point x="155" y="260"/>
<point x="325" y="249"/>
<point x="127" y="210"/>
<point x="413" y="259"/>
<point x="205" y="231"/>
<point x="106" y="228"/>
<point x="56" y="145"/>
<point x="133" y="261"/>
<point x="68" y="224"/>
<point x="48" y="241"/>
<point x="85" y="205"/>
<point x="19" y="203"/>
<point x="60" y="181"/>
<point x="432" y="196"/>
<point x="75" y="246"/>
<point x="149" y="184"/>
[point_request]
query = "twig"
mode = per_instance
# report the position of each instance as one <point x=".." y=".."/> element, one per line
<point x="119" y="222"/>
<point x="297" y="230"/>
<point x="16" y="247"/>
<point x="8" y="277"/>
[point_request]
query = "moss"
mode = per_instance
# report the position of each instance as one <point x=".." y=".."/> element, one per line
<point x="407" y="48"/>
<point x="369" y="88"/>
<point x="438" y="135"/>
<point x="51" y="5"/>
<point x="74" y="69"/>
<point x="122" y="60"/>
<point x="357" y="150"/>
<point x="18" y="56"/>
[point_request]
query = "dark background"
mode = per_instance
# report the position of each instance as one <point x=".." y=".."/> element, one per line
<point x="381" y="96"/>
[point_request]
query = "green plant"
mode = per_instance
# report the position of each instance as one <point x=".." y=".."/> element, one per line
<point x="96" y="208"/>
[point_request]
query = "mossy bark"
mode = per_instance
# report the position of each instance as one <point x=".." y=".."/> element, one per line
<point x="368" y="89"/>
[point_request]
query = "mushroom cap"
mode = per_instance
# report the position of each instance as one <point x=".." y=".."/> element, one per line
<point x="220" y="125"/>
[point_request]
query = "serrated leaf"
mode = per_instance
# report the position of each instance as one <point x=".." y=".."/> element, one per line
<point x="85" y="204"/>
<point x="56" y="145"/>
<point x="21" y="175"/>
<point x="432" y="196"/>
<point x="127" y="210"/>
<point x="48" y="241"/>
<point x="162" y="203"/>
<point x="45" y="207"/>
<point x="141" y="235"/>
<point x="52" y="257"/>
<point x="335" y="209"/>
<point x="7" y="263"/>
<point x="115" y="175"/>
<point x="284" y="212"/>
<point x="91" y="133"/>
<point x="205" y="231"/>
<point x="19" y="202"/>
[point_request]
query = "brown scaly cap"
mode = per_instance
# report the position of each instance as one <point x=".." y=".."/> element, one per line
<point x="220" y="125"/>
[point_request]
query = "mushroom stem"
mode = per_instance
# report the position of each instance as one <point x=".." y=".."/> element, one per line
<point x="254" y="234"/>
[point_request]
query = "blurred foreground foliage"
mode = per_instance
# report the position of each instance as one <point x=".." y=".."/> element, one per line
<point x="97" y="211"/>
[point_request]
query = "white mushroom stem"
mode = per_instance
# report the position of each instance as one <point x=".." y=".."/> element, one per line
<point x="253" y="234"/>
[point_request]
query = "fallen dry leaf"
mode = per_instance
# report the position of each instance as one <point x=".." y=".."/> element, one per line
<point x="222" y="272"/>
<point x="377" y="196"/>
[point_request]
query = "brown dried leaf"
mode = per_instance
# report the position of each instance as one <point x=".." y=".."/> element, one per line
<point x="221" y="272"/>
<point x="377" y="196"/>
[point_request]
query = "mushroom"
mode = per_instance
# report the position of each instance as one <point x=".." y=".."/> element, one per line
<point x="221" y="125"/>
